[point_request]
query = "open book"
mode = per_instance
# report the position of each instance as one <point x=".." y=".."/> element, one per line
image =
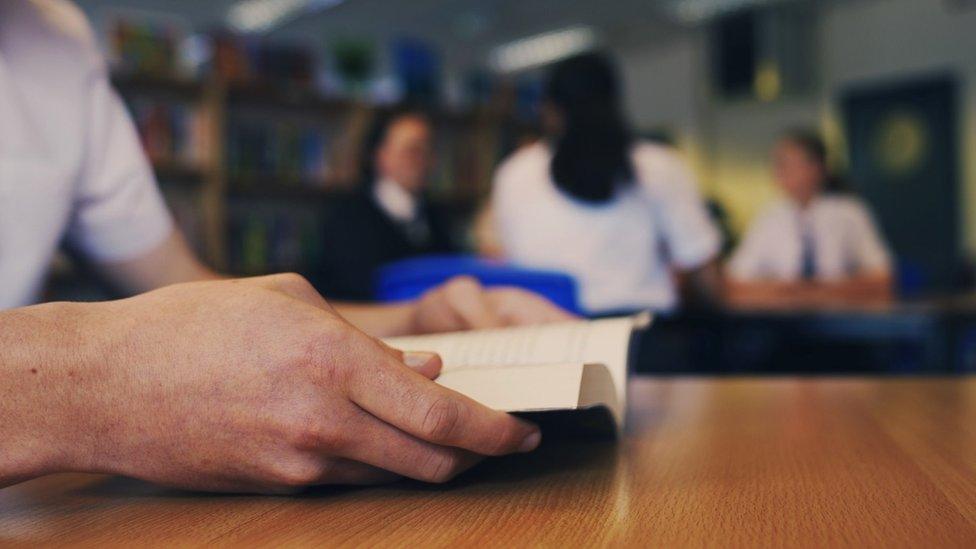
<point x="538" y="371"/>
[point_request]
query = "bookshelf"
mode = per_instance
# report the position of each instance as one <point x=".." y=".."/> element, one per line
<point x="249" y="169"/>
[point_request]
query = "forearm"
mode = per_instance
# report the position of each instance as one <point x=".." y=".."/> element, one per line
<point x="764" y="294"/>
<point x="867" y="289"/>
<point x="42" y="368"/>
<point x="702" y="287"/>
<point x="171" y="262"/>
<point x="872" y="289"/>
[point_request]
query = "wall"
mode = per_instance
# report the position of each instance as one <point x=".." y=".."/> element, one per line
<point x="665" y="90"/>
<point x="885" y="39"/>
<point x="860" y="41"/>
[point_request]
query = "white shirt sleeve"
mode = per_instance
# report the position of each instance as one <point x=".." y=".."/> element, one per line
<point x="506" y="202"/>
<point x="870" y="254"/>
<point x="497" y="204"/>
<point x="685" y="224"/>
<point x="119" y="213"/>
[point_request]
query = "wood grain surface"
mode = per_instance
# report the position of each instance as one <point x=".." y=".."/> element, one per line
<point x="706" y="462"/>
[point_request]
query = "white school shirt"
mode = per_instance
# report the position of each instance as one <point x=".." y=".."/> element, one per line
<point x="620" y="252"/>
<point x="844" y="237"/>
<point x="397" y="202"/>
<point x="71" y="166"/>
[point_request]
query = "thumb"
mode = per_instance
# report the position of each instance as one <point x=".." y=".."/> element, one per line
<point x="424" y="363"/>
<point x="427" y="364"/>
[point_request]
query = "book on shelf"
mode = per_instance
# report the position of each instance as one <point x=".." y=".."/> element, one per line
<point x="145" y="45"/>
<point x="173" y="133"/>
<point x="267" y="152"/>
<point x="265" y="238"/>
<point x="571" y="376"/>
<point x="251" y="59"/>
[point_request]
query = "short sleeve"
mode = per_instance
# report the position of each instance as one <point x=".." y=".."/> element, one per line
<point x="870" y="252"/>
<point x="508" y="205"/>
<point x="119" y="213"/>
<point x="685" y="224"/>
<point x="498" y="203"/>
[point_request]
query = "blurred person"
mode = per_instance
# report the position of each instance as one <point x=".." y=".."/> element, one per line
<point x="818" y="245"/>
<point x="621" y="215"/>
<point x="389" y="217"/>
<point x="302" y="395"/>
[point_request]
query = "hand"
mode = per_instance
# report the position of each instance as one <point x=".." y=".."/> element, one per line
<point x="258" y="385"/>
<point x="463" y="304"/>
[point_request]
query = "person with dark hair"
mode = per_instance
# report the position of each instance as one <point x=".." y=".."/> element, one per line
<point x="818" y="245"/>
<point x="621" y="215"/>
<point x="388" y="218"/>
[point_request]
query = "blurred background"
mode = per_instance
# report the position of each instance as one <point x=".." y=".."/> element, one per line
<point x="254" y="114"/>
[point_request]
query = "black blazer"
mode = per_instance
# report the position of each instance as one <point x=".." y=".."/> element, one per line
<point x="359" y="238"/>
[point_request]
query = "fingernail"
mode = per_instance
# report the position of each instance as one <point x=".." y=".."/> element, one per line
<point x="531" y="442"/>
<point x="417" y="359"/>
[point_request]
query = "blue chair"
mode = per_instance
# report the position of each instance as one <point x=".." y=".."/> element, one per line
<point x="911" y="279"/>
<point x="410" y="278"/>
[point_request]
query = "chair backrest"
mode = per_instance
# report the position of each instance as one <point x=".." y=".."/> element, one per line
<point x="911" y="280"/>
<point x="410" y="278"/>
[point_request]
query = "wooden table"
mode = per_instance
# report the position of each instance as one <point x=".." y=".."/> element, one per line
<point x="710" y="462"/>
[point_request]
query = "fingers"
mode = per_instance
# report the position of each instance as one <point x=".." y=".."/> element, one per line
<point x="433" y="413"/>
<point x="387" y="448"/>
<point x="424" y="363"/>
<point x="465" y="297"/>
<point x="550" y="312"/>
<point x="519" y="307"/>
<point x="463" y="304"/>
<point x="348" y="472"/>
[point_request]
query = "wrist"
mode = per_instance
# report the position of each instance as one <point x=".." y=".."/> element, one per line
<point x="93" y="394"/>
<point x="37" y="353"/>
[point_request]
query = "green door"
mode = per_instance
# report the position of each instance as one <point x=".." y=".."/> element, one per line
<point x="903" y="151"/>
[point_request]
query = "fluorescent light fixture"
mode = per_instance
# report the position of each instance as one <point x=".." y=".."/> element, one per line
<point x="700" y="11"/>
<point x="542" y="48"/>
<point x="264" y="15"/>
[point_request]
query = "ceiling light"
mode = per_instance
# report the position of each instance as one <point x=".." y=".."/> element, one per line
<point x="699" y="11"/>
<point x="264" y="15"/>
<point x="542" y="49"/>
